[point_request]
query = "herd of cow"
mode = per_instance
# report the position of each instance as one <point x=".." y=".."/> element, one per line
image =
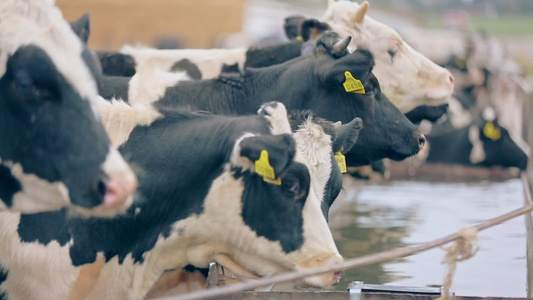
<point x="232" y="156"/>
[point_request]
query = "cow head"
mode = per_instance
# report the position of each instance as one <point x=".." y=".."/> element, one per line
<point x="407" y="77"/>
<point x="343" y="87"/>
<point x="492" y="145"/>
<point x="257" y="224"/>
<point x="322" y="142"/>
<point x="53" y="150"/>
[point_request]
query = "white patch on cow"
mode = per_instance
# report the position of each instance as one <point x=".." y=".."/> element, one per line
<point x="35" y="271"/>
<point x="37" y="194"/>
<point x="239" y="161"/>
<point x="148" y="86"/>
<point x="409" y="79"/>
<point x="276" y="114"/>
<point x="459" y="117"/>
<point x="315" y="145"/>
<point x="208" y="61"/>
<point x="488" y="114"/>
<point x="39" y="23"/>
<point x="119" y="118"/>
<point x="477" y="154"/>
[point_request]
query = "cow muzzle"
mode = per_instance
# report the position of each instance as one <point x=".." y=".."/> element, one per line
<point x="121" y="185"/>
<point x="322" y="280"/>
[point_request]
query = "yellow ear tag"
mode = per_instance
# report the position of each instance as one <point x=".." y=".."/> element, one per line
<point x="352" y="85"/>
<point x="263" y="167"/>
<point x="490" y="131"/>
<point x="300" y="38"/>
<point x="460" y="62"/>
<point x="341" y="161"/>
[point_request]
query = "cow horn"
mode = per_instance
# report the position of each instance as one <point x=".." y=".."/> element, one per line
<point x="340" y="47"/>
<point x="331" y="2"/>
<point x="359" y="15"/>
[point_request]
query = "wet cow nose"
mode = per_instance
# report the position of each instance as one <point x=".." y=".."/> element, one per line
<point x="421" y="141"/>
<point x="119" y="189"/>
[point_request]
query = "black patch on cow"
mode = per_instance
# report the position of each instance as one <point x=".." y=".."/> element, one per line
<point x="47" y="231"/>
<point x="187" y="66"/>
<point x="333" y="187"/>
<point x="58" y="137"/>
<point x="9" y="186"/>
<point x="263" y="214"/>
<point x="193" y="269"/>
<point x="292" y="26"/>
<point x="426" y="112"/>
<point x="3" y="274"/>
<point x="258" y="57"/>
<point x="3" y="277"/>
<point x="230" y="68"/>
<point x="114" y="87"/>
<point x="116" y="64"/>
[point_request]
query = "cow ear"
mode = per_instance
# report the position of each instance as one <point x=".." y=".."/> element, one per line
<point x="279" y="149"/>
<point x="292" y="26"/>
<point x="348" y="73"/>
<point x="346" y="135"/>
<point x="358" y="16"/>
<point x="81" y="28"/>
<point x="312" y="29"/>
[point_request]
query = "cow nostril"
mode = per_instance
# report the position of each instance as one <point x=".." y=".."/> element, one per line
<point x="452" y="79"/>
<point x="421" y="141"/>
<point x="101" y="188"/>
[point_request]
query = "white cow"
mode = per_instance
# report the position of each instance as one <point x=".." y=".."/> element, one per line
<point x="407" y="77"/>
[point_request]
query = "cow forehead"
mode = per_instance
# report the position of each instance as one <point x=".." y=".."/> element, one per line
<point x="39" y="23"/>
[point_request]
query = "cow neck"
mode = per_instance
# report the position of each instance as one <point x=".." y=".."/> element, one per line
<point x="272" y="55"/>
<point x="232" y="94"/>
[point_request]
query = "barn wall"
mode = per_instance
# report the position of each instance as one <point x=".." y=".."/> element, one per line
<point x="196" y="22"/>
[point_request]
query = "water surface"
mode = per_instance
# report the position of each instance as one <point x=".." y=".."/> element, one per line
<point x="374" y="218"/>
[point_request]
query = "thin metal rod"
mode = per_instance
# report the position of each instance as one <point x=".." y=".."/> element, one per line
<point x="356" y="262"/>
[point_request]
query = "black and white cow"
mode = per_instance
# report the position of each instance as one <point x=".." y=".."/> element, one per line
<point x="201" y="200"/>
<point x="54" y="151"/>
<point x="196" y="63"/>
<point x="483" y="142"/>
<point x="312" y="82"/>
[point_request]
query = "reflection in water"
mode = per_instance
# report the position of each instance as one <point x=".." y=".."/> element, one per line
<point x="370" y="219"/>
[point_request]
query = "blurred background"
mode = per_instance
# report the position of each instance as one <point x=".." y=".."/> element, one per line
<point x="239" y="23"/>
<point x="370" y="217"/>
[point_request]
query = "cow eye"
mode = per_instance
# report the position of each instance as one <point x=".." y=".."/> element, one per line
<point x="30" y="89"/>
<point x="291" y="187"/>
<point x="392" y="51"/>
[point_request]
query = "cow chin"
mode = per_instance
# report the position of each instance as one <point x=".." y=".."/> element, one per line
<point x="322" y="280"/>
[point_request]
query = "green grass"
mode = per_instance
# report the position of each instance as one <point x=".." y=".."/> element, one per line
<point x="502" y="26"/>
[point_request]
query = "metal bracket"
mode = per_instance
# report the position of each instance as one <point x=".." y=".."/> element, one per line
<point x="357" y="289"/>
